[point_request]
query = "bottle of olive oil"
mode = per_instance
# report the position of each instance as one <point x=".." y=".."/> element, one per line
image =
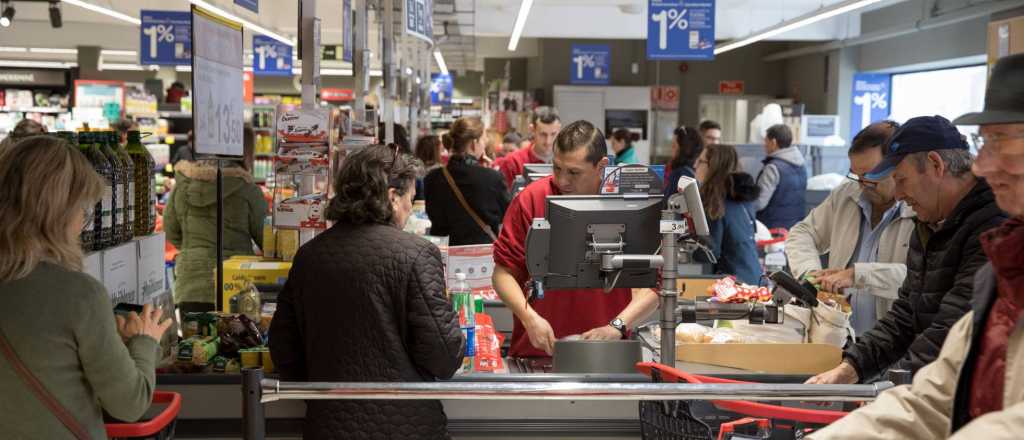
<point x="120" y="178"/>
<point x="128" y="228"/>
<point x="145" y="185"/>
<point x="104" y="212"/>
<point x="89" y="225"/>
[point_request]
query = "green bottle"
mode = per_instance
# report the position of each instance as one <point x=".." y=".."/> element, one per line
<point x="120" y="177"/>
<point x="128" y="227"/>
<point x="145" y="185"/>
<point x="89" y="225"/>
<point x="104" y="211"/>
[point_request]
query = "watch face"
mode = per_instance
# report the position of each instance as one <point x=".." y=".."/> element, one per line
<point x="618" y="323"/>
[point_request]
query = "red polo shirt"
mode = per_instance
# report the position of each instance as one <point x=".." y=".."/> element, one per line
<point x="512" y="164"/>
<point x="571" y="311"/>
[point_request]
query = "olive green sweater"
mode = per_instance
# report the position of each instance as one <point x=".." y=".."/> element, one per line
<point x="61" y="324"/>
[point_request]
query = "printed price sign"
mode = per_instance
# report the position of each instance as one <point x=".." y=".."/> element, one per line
<point x="590" y="64"/>
<point x="165" y="38"/>
<point x="870" y="100"/>
<point x="681" y="30"/>
<point x="217" y="82"/>
<point x="441" y="89"/>
<point x="346" y="30"/>
<point x="271" y="57"/>
<point x="419" y="19"/>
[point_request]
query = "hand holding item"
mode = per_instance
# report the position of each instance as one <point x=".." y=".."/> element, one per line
<point x="603" y="333"/>
<point x="836" y="281"/>
<point x="843" y="374"/>
<point x="542" y="336"/>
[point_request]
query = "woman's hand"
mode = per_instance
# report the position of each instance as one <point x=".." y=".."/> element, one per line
<point x="148" y="324"/>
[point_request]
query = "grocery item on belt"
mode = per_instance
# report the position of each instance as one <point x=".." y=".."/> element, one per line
<point x="197" y="350"/>
<point x="727" y="290"/>
<point x="199" y="324"/>
<point x="237" y="332"/>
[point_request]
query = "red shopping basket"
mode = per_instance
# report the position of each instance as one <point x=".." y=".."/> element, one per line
<point x="752" y="409"/>
<point x="160" y="427"/>
<point x="779" y="235"/>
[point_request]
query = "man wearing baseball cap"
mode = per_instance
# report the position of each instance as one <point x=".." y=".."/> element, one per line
<point x="974" y="389"/>
<point x="931" y="164"/>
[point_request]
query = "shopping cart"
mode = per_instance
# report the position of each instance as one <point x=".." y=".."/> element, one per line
<point x="160" y="427"/>
<point x="675" y="420"/>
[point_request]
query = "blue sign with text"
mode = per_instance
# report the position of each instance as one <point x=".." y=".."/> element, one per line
<point x="346" y="30"/>
<point x="165" y="38"/>
<point x="681" y="30"/>
<point x="252" y="5"/>
<point x="270" y="57"/>
<point x="419" y="19"/>
<point x="590" y="64"/>
<point x="871" y="98"/>
<point x="441" y="89"/>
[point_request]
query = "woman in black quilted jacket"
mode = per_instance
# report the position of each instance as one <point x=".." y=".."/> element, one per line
<point x="365" y="301"/>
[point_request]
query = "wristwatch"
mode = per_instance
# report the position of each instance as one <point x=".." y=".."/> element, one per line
<point x="620" y="325"/>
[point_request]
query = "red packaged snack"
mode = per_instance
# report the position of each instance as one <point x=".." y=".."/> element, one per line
<point x="488" y="346"/>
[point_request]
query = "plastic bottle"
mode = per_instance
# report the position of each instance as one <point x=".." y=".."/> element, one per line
<point x="102" y="140"/>
<point x="128" y="228"/>
<point x="86" y="238"/>
<point x="462" y="299"/>
<point x="145" y="185"/>
<point x="104" y="211"/>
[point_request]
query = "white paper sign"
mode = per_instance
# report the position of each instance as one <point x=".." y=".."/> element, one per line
<point x="218" y="104"/>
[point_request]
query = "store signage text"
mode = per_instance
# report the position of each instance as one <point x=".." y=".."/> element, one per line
<point x="665" y="97"/>
<point x="589" y="64"/>
<point x="165" y="38"/>
<point x="871" y="95"/>
<point x="33" y="77"/>
<point x="337" y="95"/>
<point x="419" y="19"/>
<point x="681" y="30"/>
<point x="346" y="30"/>
<point x="271" y="57"/>
<point x="734" y="87"/>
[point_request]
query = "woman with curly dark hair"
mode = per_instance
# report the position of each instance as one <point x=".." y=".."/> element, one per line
<point x="365" y="302"/>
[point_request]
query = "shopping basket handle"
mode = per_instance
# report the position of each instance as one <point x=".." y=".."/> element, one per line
<point x="153" y="426"/>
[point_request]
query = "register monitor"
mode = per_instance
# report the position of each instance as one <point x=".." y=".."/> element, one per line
<point x="595" y="242"/>
<point x="821" y="130"/>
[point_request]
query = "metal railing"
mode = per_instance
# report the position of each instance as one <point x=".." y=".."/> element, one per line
<point x="257" y="391"/>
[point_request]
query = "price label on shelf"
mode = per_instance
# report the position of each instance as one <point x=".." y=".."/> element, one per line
<point x="672" y="226"/>
<point x="590" y="64"/>
<point x="271" y="57"/>
<point x="681" y="30"/>
<point x="217" y="85"/>
<point x="165" y="38"/>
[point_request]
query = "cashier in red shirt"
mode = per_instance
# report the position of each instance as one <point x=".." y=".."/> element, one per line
<point x="544" y="125"/>
<point x="580" y="156"/>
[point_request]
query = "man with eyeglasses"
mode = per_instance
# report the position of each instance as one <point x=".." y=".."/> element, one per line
<point x="931" y="164"/>
<point x="864" y="230"/>
<point x="974" y="390"/>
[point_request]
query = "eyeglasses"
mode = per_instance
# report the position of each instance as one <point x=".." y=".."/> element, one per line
<point x="995" y="144"/>
<point x="861" y="181"/>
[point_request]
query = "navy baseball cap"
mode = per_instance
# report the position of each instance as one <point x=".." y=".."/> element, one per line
<point x="923" y="133"/>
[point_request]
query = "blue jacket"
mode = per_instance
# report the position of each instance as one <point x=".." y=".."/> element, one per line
<point x="732" y="235"/>
<point x="672" y="183"/>
<point x="783" y="183"/>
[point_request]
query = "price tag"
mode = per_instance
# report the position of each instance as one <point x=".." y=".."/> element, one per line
<point x="672" y="226"/>
<point x="218" y="104"/>
<point x="681" y="30"/>
<point x="590" y="64"/>
<point x="165" y="38"/>
<point x="271" y="57"/>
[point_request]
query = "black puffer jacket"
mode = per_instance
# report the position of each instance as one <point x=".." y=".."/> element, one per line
<point x="367" y="304"/>
<point x="937" y="292"/>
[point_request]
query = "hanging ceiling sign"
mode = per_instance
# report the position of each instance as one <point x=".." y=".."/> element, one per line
<point x="252" y="5"/>
<point x="870" y="100"/>
<point x="217" y="81"/>
<point x="681" y="30"/>
<point x="419" y="19"/>
<point x="271" y="57"/>
<point x="589" y="64"/>
<point x="346" y="30"/>
<point x="165" y="38"/>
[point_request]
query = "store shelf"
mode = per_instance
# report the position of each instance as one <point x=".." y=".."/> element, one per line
<point x="55" y="110"/>
<point x="179" y="115"/>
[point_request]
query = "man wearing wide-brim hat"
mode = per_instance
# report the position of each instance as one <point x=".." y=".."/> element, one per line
<point x="975" y="389"/>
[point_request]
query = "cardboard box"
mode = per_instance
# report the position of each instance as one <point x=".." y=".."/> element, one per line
<point x="304" y="126"/>
<point x="92" y="265"/>
<point x="301" y="212"/>
<point x="477" y="262"/>
<point x="121" y="273"/>
<point x="764" y="358"/>
<point x="695" y="287"/>
<point x="239" y="271"/>
<point x="152" y="267"/>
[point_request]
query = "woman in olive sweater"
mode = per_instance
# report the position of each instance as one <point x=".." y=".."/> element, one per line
<point x="57" y="320"/>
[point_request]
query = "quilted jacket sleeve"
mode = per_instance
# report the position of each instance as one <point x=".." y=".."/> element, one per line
<point x="435" y="339"/>
<point x="287" y="346"/>
<point x="955" y="304"/>
<point x="884" y="343"/>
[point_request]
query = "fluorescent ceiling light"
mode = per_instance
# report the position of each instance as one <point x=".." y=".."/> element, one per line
<point x="183" y="68"/>
<point x="517" y="29"/>
<point x="37" y="64"/>
<point x="376" y="72"/>
<point x="53" y="50"/>
<point x="121" y="66"/>
<point x="13" y="49"/>
<point x="105" y="11"/>
<point x="248" y="24"/>
<point x="796" y="23"/>
<point x="336" y="72"/>
<point x="440" y="61"/>
<point x="119" y="53"/>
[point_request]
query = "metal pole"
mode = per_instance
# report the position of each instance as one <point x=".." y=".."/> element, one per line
<point x="360" y="59"/>
<point x="389" y="89"/>
<point x="669" y="295"/>
<point x="253" y="419"/>
<point x="219" y="300"/>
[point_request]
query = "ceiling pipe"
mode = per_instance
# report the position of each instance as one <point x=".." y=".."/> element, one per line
<point x="966" y="14"/>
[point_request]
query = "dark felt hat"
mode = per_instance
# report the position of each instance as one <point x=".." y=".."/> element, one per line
<point x="1004" y="97"/>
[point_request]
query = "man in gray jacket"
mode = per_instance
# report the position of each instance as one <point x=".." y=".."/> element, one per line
<point x="864" y="230"/>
